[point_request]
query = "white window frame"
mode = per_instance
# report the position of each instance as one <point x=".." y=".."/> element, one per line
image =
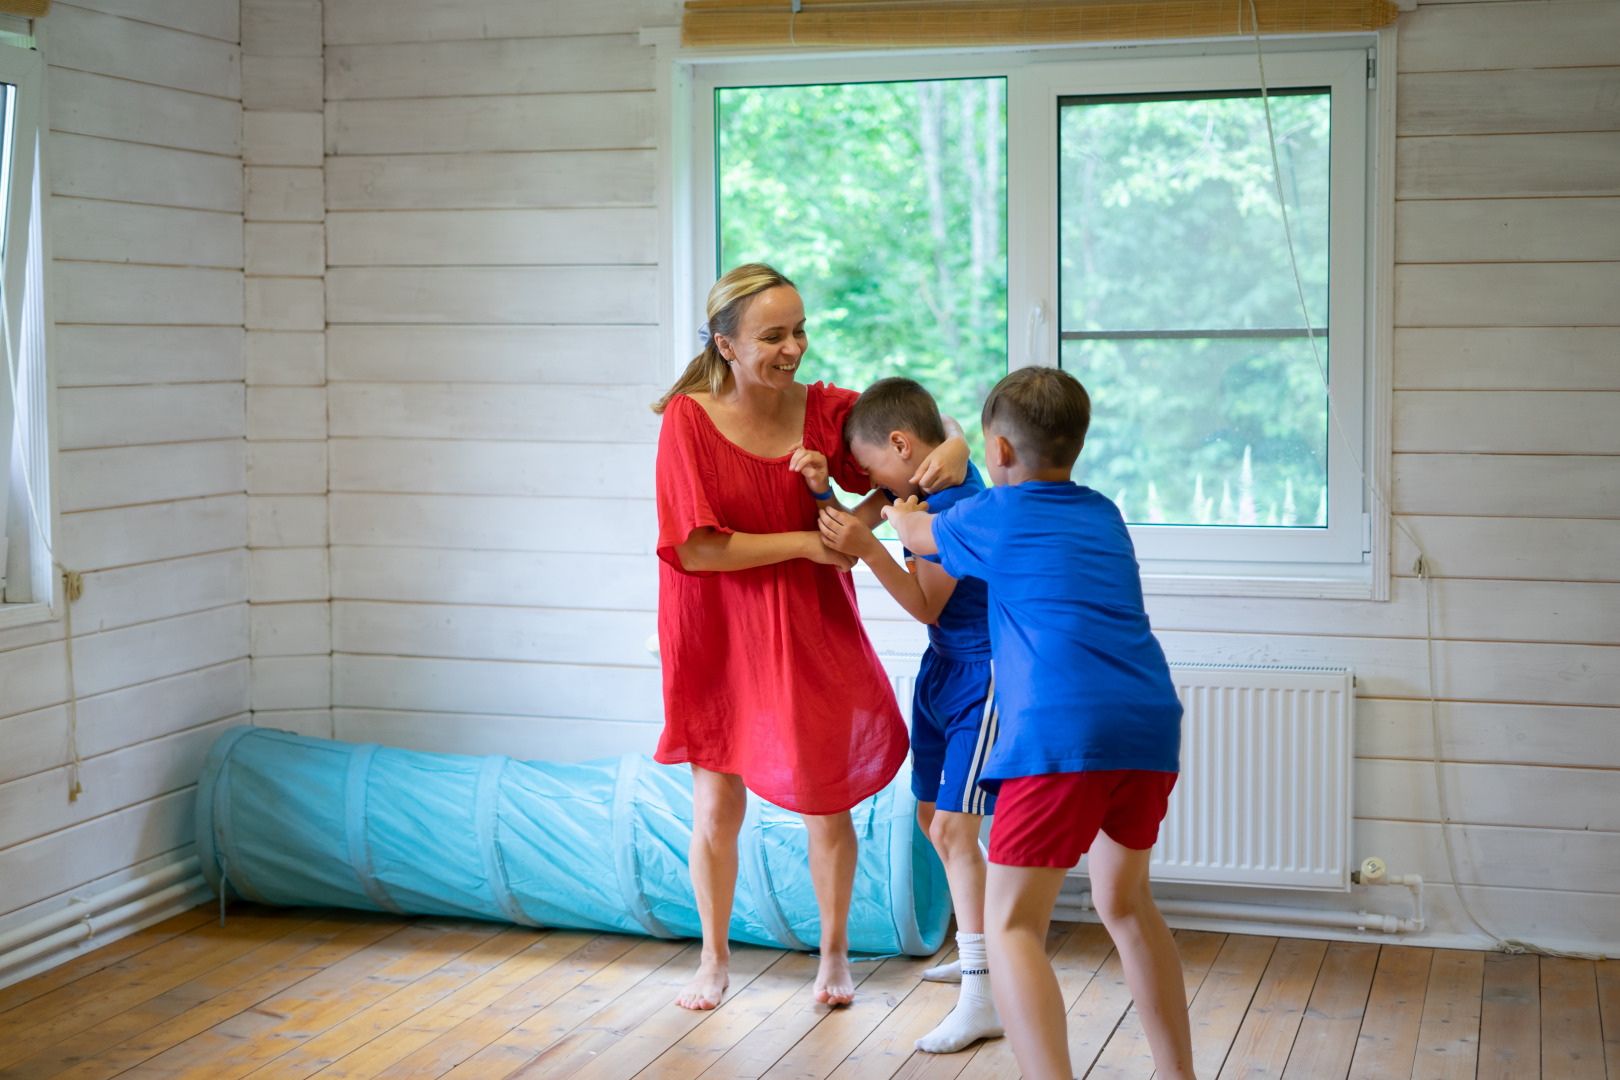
<point x="1347" y="560"/>
<point x="32" y="592"/>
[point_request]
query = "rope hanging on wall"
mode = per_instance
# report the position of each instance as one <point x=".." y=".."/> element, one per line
<point x="936" y="23"/>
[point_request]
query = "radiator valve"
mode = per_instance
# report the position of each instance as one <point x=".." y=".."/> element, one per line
<point x="1372" y="872"/>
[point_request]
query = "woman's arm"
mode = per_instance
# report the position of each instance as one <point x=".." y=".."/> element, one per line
<point x="712" y="550"/>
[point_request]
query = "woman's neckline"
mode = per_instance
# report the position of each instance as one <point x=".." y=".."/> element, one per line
<point x="804" y="428"/>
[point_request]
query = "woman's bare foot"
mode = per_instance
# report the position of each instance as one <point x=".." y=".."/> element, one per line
<point x="708" y="986"/>
<point x="835" y="983"/>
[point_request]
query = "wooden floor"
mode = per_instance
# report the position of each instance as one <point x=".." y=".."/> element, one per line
<point x="281" y="994"/>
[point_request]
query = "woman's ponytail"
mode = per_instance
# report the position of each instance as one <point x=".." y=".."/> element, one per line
<point x="728" y="300"/>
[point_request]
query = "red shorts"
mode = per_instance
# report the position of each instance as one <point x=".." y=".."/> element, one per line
<point x="1051" y="820"/>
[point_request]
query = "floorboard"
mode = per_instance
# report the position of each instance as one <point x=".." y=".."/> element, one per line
<point x="1263" y="1043"/>
<point x="1571" y="1025"/>
<point x="285" y="994"/>
<point x="1608" y="985"/>
<point x="1326" y="1041"/>
<point x="1448" y="1037"/>
<point x="1510" y="1019"/>
<point x="1389" y="1029"/>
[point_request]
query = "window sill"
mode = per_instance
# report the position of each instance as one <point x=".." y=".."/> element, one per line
<point x="1299" y="581"/>
<point x="1291" y="580"/>
<point x="15" y="615"/>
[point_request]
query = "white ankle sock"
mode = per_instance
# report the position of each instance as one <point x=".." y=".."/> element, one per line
<point x="951" y="972"/>
<point x="975" y="1015"/>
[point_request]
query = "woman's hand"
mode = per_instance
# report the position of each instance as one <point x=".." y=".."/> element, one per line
<point x="812" y="465"/>
<point x="945" y="467"/>
<point x="844" y="532"/>
<point x="818" y="551"/>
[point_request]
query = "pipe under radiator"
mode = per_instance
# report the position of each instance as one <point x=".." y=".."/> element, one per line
<point x="83" y="919"/>
<point x="1288" y="916"/>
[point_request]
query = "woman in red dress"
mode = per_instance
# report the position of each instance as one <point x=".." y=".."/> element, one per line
<point x="770" y="683"/>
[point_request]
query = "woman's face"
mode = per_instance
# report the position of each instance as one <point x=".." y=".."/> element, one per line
<point x="769" y="342"/>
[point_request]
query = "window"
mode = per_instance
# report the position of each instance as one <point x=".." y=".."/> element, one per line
<point x="888" y="201"/>
<point x="949" y="216"/>
<point x="25" y="558"/>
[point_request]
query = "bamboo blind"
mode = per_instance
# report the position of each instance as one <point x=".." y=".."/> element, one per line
<point x="33" y="9"/>
<point x="902" y="23"/>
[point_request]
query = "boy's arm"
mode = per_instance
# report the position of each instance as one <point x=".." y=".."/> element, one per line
<point x="869" y="511"/>
<point x="922" y="594"/>
<point x="914" y="524"/>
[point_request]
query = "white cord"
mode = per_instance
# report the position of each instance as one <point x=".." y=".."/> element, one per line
<point x="1422" y="567"/>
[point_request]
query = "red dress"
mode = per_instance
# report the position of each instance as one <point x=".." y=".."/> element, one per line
<point x="767" y="672"/>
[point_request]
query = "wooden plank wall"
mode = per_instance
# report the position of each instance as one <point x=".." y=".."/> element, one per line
<point x="490" y="300"/>
<point x="285" y="362"/>
<point x="145" y="224"/>
<point x="492" y="346"/>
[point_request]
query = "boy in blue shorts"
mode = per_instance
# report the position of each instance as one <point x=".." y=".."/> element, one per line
<point x="891" y="429"/>
<point x="1090" y="733"/>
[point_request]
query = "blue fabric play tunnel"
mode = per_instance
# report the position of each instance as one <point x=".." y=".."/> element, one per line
<point x="287" y="820"/>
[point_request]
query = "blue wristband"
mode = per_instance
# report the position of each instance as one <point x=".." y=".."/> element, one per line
<point x="822" y="497"/>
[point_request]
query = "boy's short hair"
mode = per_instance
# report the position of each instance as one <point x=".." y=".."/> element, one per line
<point x="1044" y="412"/>
<point x="894" y="404"/>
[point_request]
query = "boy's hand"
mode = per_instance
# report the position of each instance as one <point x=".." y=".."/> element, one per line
<point x="844" y="532"/>
<point x="819" y="552"/>
<point x="901" y="507"/>
<point x="944" y="468"/>
<point x="812" y="465"/>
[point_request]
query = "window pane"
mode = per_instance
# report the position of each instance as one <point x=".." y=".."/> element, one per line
<point x="1169" y="215"/>
<point x="1169" y="223"/>
<point x="1210" y="431"/>
<point x="887" y="204"/>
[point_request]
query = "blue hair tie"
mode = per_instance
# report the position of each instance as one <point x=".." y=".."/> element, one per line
<point x="704" y="335"/>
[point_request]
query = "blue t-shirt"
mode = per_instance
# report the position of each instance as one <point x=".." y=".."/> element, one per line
<point x="1081" y="682"/>
<point x="963" y="629"/>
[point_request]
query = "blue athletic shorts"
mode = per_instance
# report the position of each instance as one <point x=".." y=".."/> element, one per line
<point x="953" y="727"/>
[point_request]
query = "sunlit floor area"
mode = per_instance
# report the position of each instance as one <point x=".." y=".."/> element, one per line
<point x="302" y="993"/>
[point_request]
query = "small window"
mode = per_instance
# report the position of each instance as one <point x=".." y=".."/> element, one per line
<point x="1178" y="307"/>
<point x="26" y="581"/>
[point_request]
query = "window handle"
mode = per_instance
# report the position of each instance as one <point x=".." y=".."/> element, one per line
<point x="1037" y="321"/>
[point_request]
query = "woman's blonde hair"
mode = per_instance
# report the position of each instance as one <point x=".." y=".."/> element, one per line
<point x="727" y="301"/>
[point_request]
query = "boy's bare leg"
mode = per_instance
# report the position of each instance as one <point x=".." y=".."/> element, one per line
<point x="1120" y="893"/>
<point x="956" y="837"/>
<point x="719" y="801"/>
<point x="1017" y="913"/>
<point x="833" y="852"/>
<point x="950" y="971"/>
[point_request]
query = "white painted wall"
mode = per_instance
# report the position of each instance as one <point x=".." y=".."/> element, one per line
<point x="491" y="237"/>
<point x="145" y="223"/>
<point x="284" y="250"/>
<point x="492" y="346"/>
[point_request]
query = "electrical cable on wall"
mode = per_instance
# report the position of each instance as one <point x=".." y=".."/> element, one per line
<point x="1422" y="567"/>
<point x="72" y="580"/>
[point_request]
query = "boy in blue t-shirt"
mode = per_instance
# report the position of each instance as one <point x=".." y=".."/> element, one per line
<point x="1090" y="723"/>
<point x="891" y="429"/>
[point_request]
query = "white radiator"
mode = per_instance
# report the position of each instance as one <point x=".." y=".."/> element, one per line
<point x="1264" y="794"/>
